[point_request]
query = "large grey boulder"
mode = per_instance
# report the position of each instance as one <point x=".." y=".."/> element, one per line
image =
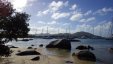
<point x="86" y="55"/>
<point x="61" y="43"/>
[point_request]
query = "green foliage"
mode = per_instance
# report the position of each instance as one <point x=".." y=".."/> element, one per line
<point x="13" y="25"/>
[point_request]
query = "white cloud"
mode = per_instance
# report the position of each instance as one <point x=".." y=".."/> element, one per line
<point x="59" y="15"/>
<point x="76" y="16"/>
<point x="41" y="22"/>
<point x="51" y="30"/>
<point x="19" y="5"/>
<point x="83" y="27"/>
<point x="88" y="12"/>
<point x="73" y="7"/>
<point x="66" y="24"/>
<point x="54" y="6"/>
<point x="47" y="23"/>
<point x="41" y="13"/>
<point x="45" y="12"/>
<point x="88" y="19"/>
<point x="83" y="20"/>
<point x="53" y="22"/>
<point x="104" y="11"/>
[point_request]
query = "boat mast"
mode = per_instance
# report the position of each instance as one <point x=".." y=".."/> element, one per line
<point x="111" y="28"/>
<point x="93" y="30"/>
<point x="100" y="31"/>
<point x="42" y="31"/>
<point x="47" y="32"/>
<point x="36" y="32"/>
<point x="69" y="32"/>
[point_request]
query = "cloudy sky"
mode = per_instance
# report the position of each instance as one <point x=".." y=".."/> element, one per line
<point x="61" y="16"/>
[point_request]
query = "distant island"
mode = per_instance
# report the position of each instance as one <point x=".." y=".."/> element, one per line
<point x="81" y="35"/>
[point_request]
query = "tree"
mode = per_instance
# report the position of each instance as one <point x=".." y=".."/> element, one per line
<point x="12" y="26"/>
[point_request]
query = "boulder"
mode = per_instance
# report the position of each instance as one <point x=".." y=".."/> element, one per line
<point x="29" y="48"/>
<point x="41" y="45"/>
<point x="73" y="54"/>
<point x="31" y="52"/>
<point x="111" y="49"/>
<point x="86" y="55"/>
<point x="36" y="58"/>
<point x="69" y="62"/>
<point x="11" y="46"/>
<point x="32" y="45"/>
<point x="61" y="43"/>
<point x="19" y="50"/>
<point x="90" y="47"/>
<point x="81" y="47"/>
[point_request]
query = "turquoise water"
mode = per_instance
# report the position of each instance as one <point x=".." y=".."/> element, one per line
<point x="103" y="55"/>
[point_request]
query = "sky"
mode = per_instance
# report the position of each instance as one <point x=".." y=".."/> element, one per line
<point x="67" y="16"/>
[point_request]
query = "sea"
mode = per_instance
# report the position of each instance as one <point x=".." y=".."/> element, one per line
<point x="101" y="46"/>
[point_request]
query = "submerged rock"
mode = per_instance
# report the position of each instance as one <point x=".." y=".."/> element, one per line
<point x="69" y="61"/>
<point x="90" y="47"/>
<point x="81" y="47"/>
<point x="61" y="43"/>
<point x="29" y="48"/>
<point x="111" y="49"/>
<point x="73" y="54"/>
<point x="41" y="45"/>
<point x="86" y="55"/>
<point x="11" y="46"/>
<point x="28" y="53"/>
<point x="32" y="45"/>
<point x="19" y="50"/>
<point x="36" y="58"/>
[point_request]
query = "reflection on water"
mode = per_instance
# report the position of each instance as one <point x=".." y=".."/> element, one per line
<point x="58" y="52"/>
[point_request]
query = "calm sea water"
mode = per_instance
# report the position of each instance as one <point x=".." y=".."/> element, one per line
<point x="103" y="55"/>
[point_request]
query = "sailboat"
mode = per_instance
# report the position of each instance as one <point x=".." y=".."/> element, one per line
<point x="47" y="37"/>
<point x="72" y="39"/>
<point x="111" y="31"/>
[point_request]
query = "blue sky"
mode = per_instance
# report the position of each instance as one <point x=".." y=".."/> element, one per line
<point x="67" y="15"/>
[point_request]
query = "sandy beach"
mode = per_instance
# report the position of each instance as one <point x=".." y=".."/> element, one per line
<point x="44" y="59"/>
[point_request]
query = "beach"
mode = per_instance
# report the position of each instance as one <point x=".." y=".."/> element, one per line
<point x="44" y="59"/>
<point x="58" y="56"/>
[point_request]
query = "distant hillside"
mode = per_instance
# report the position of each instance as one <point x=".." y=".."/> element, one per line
<point x="67" y="35"/>
<point x="85" y="35"/>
